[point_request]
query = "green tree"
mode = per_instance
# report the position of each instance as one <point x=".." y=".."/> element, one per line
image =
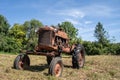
<point x="17" y="31"/>
<point x="11" y="45"/>
<point x="102" y="38"/>
<point x="114" y="49"/>
<point x="76" y="40"/>
<point x="4" y="25"/>
<point x="30" y="28"/>
<point x="69" y="29"/>
<point x="100" y="34"/>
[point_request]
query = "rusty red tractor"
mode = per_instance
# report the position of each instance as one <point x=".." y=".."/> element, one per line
<point x="52" y="42"/>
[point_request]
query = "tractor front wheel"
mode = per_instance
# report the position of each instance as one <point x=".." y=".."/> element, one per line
<point x="21" y="62"/>
<point x="56" y="67"/>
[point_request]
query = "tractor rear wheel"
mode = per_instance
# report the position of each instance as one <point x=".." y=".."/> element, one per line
<point x="22" y="61"/>
<point x="78" y="57"/>
<point x="56" y="67"/>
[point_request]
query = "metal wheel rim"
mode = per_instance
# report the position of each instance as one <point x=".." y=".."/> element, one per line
<point x="57" y="70"/>
<point x="80" y="59"/>
<point x="21" y="64"/>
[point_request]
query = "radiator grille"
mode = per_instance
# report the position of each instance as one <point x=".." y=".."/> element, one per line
<point x="44" y="37"/>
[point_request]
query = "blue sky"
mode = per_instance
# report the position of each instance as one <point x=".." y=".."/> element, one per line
<point x="84" y="14"/>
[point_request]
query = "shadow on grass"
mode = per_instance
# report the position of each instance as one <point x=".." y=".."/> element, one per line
<point x="37" y="68"/>
<point x="67" y="66"/>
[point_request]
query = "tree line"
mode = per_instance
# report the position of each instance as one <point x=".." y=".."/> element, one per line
<point x="19" y="37"/>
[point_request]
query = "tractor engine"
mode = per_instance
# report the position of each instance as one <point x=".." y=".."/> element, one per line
<point x="51" y="38"/>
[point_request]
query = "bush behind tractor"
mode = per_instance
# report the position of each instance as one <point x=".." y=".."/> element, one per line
<point x="52" y="42"/>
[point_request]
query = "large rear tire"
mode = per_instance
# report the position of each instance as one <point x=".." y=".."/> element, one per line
<point x="56" y="67"/>
<point x="21" y="62"/>
<point x="78" y="57"/>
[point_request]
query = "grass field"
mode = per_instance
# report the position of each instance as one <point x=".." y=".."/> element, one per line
<point x="96" y="68"/>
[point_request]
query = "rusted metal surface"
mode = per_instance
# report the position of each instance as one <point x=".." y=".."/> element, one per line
<point x="51" y="42"/>
<point x="53" y="53"/>
<point x="50" y="38"/>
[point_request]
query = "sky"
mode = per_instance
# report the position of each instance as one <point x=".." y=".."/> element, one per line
<point x="83" y="14"/>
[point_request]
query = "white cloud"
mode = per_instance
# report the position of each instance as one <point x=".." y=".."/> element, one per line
<point x="88" y="22"/>
<point x="97" y="10"/>
<point x="114" y="31"/>
<point x="75" y="22"/>
<point x="92" y="10"/>
<point x="85" y="30"/>
<point x="74" y="13"/>
<point x="113" y="28"/>
<point x="114" y="24"/>
<point x="86" y="33"/>
<point x="84" y="18"/>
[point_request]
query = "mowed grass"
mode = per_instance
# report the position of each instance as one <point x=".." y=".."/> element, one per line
<point x="96" y="68"/>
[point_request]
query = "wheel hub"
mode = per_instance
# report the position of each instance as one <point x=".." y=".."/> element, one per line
<point x="80" y="61"/>
<point x="57" y="69"/>
<point x="21" y="64"/>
